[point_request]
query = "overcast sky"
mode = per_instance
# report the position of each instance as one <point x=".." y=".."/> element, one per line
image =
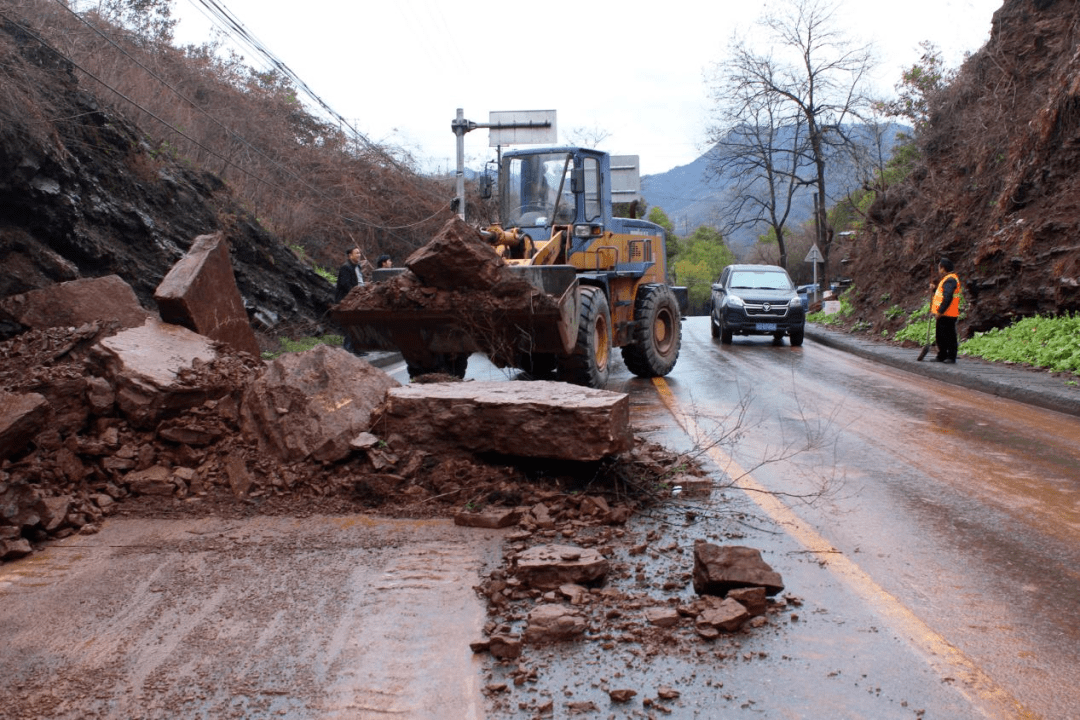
<point x="399" y="70"/>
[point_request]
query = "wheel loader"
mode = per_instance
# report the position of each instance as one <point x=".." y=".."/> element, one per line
<point x="602" y="284"/>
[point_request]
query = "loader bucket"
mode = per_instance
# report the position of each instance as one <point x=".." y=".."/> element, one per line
<point x="539" y="315"/>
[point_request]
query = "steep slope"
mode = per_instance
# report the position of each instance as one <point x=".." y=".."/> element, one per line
<point x="81" y="195"/>
<point x="998" y="189"/>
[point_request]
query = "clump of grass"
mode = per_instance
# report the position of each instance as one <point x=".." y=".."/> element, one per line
<point x="1049" y="342"/>
<point x="290" y="345"/>
<point x="915" y="327"/>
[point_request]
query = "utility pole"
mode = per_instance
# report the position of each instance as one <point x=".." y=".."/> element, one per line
<point x="460" y="126"/>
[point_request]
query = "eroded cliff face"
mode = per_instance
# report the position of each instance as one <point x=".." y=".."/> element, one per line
<point x="997" y="189"/>
<point x="81" y="195"/>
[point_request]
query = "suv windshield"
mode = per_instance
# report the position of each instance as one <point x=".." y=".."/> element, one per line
<point x="530" y="187"/>
<point x="760" y="280"/>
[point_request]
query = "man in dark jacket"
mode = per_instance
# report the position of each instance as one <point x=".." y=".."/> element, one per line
<point x="348" y="277"/>
<point x="946" y="308"/>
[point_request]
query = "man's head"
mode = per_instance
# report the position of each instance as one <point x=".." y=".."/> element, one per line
<point x="354" y="256"/>
<point x="384" y="261"/>
<point x="945" y="265"/>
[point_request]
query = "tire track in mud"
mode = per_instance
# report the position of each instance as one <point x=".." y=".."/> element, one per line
<point x="320" y="617"/>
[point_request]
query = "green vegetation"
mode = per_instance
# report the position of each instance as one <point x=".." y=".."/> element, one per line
<point x="846" y="308"/>
<point x="915" y="328"/>
<point x="289" y="345"/>
<point x="1049" y="342"/>
<point x="702" y="257"/>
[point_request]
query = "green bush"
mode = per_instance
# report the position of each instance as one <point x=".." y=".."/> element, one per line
<point x="1049" y="342"/>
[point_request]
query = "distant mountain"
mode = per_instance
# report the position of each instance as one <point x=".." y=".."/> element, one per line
<point x="691" y="200"/>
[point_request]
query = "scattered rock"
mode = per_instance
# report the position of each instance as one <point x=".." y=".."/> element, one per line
<point x="718" y="569"/>
<point x="621" y="696"/>
<point x="491" y="518"/>
<point x="752" y="598"/>
<point x="22" y="416"/>
<point x="547" y="567"/>
<point x="727" y="615"/>
<point x="662" y="616"/>
<point x="554" y="623"/>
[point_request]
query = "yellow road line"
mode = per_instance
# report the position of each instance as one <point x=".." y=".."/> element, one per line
<point x="946" y="659"/>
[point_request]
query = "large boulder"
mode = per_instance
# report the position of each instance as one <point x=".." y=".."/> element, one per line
<point x="457" y="258"/>
<point x="75" y="303"/>
<point x="313" y="404"/>
<point x="526" y="419"/>
<point x="145" y="365"/>
<point x="200" y="293"/>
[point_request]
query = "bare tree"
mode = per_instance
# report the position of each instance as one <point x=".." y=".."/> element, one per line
<point x="809" y="70"/>
<point x="760" y="150"/>
<point x="587" y="137"/>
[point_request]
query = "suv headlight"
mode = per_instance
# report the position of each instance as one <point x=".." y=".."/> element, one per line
<point x="795" y="302"/>
<point x="734" y="301"/>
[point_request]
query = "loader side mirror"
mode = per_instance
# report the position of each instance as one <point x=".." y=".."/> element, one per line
<point x="485" y="186"/>
<point x="577" y="180"/>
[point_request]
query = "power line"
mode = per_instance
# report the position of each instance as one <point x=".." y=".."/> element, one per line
<point x="193" y="140"/>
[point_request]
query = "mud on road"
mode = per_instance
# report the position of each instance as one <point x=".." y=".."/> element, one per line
<point x="317" y="617"/>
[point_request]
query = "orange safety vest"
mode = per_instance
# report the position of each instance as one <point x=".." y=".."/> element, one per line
<point x="954" y="307"/>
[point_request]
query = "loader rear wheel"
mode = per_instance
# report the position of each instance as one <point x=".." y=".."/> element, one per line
<point x="658" y="335"/>
<point x="589" y="363"/>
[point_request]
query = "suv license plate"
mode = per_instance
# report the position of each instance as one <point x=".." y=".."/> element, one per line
<point x="766" y="327"/>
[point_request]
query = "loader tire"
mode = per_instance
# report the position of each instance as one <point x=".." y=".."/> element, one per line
<point x="658" y="334"/>
<point x="590" y="362"/>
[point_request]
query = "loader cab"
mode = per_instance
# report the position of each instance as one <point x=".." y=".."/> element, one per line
<point x="554" y="186"/>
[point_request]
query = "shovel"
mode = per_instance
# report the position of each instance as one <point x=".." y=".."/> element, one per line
<point x="926" y="348"/>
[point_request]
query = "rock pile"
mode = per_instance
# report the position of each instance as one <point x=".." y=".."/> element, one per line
<point x="582" y="581"/>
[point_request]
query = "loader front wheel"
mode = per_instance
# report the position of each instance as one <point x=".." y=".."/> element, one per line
<point x="658" y="335"/>
<point x="589" y="363"/>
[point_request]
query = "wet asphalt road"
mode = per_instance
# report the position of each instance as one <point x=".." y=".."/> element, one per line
<point x="930" y="531"/>
<point x="958" y="507"/>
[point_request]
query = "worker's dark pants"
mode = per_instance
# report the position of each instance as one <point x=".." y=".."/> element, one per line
<point x="945" y="337"/>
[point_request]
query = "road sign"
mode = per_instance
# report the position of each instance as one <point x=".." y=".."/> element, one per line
<point x="814" y="255"/>
<point x="521" y="127"/>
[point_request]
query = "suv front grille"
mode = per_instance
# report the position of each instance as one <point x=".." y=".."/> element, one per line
<point x="766" y="310"/>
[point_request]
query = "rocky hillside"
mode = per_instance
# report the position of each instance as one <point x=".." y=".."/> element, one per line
<point x="997" y="188"/>
<point x="83" y="194"/>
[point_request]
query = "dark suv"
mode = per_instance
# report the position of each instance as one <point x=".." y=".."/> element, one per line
<point x="756" y="300"/>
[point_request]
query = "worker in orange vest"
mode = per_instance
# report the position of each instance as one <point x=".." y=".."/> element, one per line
<point x="946" y="308"/>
